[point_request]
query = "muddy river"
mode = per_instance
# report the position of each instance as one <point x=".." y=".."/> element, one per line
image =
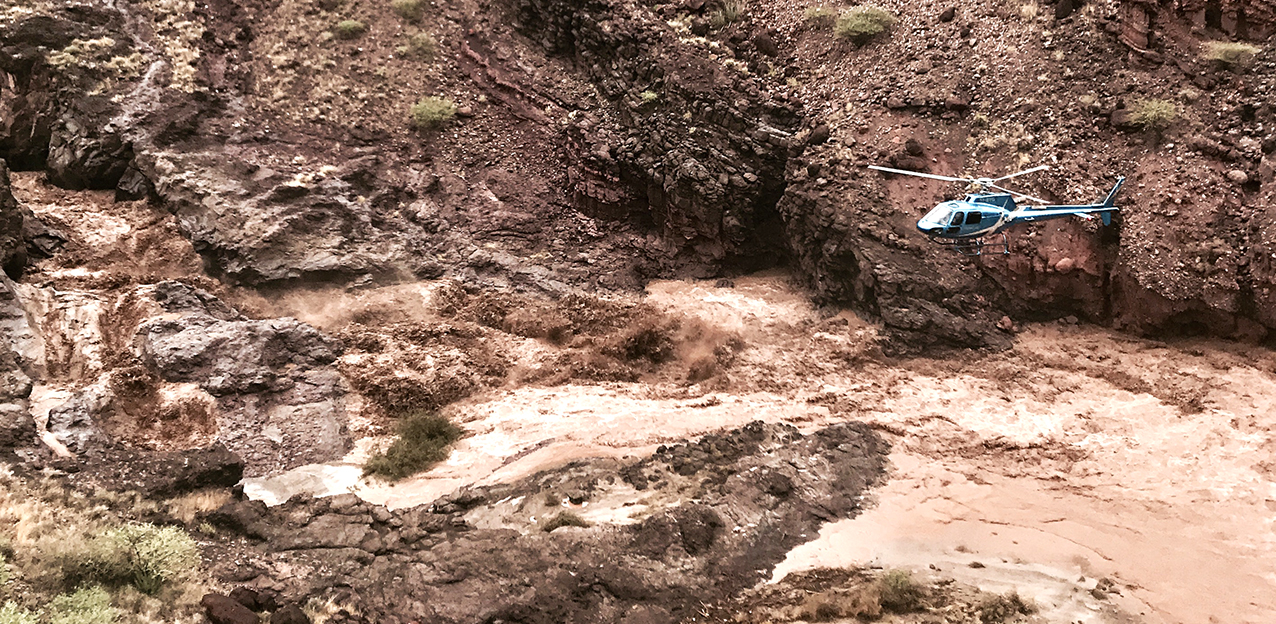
<point x="1106" y="477"/>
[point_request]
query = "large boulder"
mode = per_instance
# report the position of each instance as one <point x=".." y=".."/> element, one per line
<point x="281" y="400"/>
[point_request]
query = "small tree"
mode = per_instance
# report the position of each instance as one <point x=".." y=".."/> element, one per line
<point x="862" y="23"/>
<point x="432" y="112"/>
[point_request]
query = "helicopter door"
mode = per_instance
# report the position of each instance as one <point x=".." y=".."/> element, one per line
<point x="974" y="217"/>
<point x="954" y="223"/>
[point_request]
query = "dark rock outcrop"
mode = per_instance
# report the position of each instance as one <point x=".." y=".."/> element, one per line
<point x="13" y="248"/>
<point x="703" y="161"/>
<point x="432" y="564"/>
<point x="225" y="610"/>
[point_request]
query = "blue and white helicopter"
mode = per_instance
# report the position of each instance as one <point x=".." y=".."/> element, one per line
<point x="964" y="224"/>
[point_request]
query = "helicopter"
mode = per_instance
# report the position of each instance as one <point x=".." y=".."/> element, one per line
<point x="964" y="224"/>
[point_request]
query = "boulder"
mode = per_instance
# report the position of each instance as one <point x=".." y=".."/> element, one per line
<point x="289" y="614"/>
<point x="17" y="428"/>
<point x="80" y="158"/>
<point x="72" y="423"/>
<point x="222" y="609"/>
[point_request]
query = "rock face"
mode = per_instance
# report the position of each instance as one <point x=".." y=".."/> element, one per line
<point x="54" y="118"/>
<point x="17" y="428"/>
<point x="281" y="401"/>
<point x="13" y="248"/>
<point x="701" y="150"/>
<point x="450" y="563"/>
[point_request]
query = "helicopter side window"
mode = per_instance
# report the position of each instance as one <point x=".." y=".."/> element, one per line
<point x="956" y="220"/>
<point x="974" y="217"/>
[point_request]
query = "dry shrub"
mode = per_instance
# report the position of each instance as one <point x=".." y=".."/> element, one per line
<point x="192" y="505"/>
<point x="431" y="112"/>
<point x="349" y="29"/>
<point x="860" y="24"/>
<point x="1153" y="114"/>
<point x="863" y="602"/>
<point x="1231" y="54"/>
<point x="900" y="593"/>
<point x="999" y="608"/>
<point x="563" y="519"/>
<point x="409" y="10"/>
<point x="12" y="613"/>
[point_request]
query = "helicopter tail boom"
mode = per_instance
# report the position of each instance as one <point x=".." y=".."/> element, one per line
<point x="1108" y="201"/>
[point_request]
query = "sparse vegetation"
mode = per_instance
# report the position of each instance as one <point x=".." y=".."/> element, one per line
<point x="1155" y="115"/>
<point x="424" y="438"/>
<point x="410" y="10"/>
<point x="563" y="519"/>
<point x="1230" y="54"/>
<point x="88" y="605"/>
<point x="648" y="97"/>
<point x="900" y="593"/>
<point x="432" y="112"/>
<point x="349" y="29"/>
<point x="862" y="23"/>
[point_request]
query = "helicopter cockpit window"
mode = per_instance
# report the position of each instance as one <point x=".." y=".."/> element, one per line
<point x="974" y="217"/>
<point x="956" y="220"/>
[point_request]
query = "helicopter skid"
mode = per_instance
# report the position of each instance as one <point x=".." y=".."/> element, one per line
<point x="976" y="246"/>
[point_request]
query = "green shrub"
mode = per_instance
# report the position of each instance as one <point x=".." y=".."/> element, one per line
<point x="900" y="593"/>
<point x="821" y="16"/>
<point x="862" y="23"/>
<point x="1231" y="54"/>
<point x="432" y="112"/>
<point x="88" y="605"/>
<point x="424" y="438"/>
<point x="563" y="519"/>
<point x="421" y="45"/>
<point x="11" y="613"/>
<point x="349" y="29"/>
<point x="410" y="10"/>
<point x="142" y="555"/>
<point x="648" y="97"/>
<point x="1153" y="114"/>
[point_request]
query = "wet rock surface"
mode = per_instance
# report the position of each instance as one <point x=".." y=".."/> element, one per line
<point x="757" y="492"/>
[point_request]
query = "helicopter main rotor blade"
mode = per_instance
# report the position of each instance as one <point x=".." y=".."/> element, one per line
<point x="1018" y="194"/>
<point x="920" y="175"/>
<point x="1024" y="172"/>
